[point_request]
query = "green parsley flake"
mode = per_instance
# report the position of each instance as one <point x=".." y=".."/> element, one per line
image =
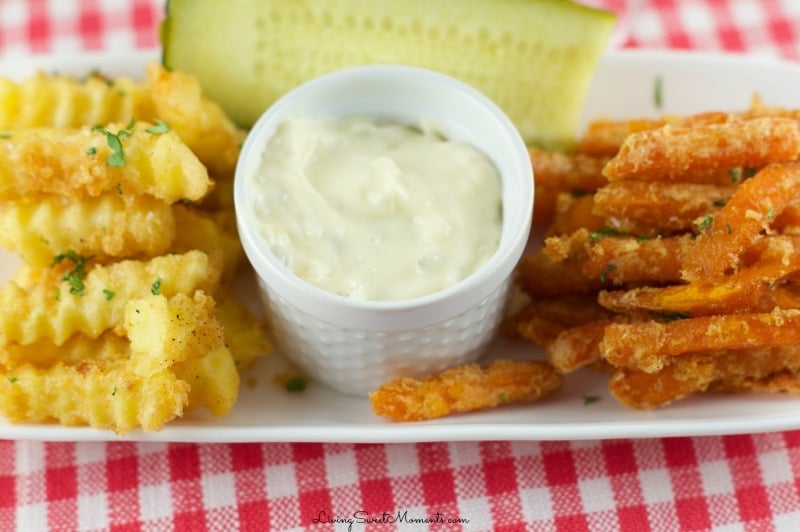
<point x="91" y="151"/>
<point x="502" y="397"/>
<point x="674" y="316"/>
<point x="109" y="294"/>
<point x="730" y="229"/>
<point x="610" y="268"/>
<point x="160" y="128"/>
<point x="114" y="391"/>
<point x="119" y="189"/>
<point x="719" y="202"/>
<point x="12" y="380"/>
<point x="604" y="232"/>
<point x="590" y="399"/>
<point x="658" y="93"/>
<point x="296" y="384"/>
<point x="736" y="174"/>
<point x="771" y="214"/>
<point x="706" y="223"/>
<point x="5" y="136"/>
<point x="156" y="288"/>
<point x="76" y="275"/>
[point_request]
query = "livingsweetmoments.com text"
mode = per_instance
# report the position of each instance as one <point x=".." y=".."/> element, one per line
<point x="363" y="518"/>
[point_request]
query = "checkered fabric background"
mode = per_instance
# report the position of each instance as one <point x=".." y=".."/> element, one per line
<point x="748" y="482"/>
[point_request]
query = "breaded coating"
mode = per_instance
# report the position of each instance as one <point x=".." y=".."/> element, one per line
<point x="105" y="227"/>
<point x="465" y="388"/>
<point x="654" y="260"/>
<point x="82" y="163"/>
<point x="212" y="233"/>
<point x="671" y="152"/>
<point x="576" y="347"/>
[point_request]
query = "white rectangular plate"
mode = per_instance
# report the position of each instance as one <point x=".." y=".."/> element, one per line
<point x="623" y="86"/>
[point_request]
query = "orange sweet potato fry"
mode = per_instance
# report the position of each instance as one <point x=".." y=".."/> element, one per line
<point x="577" y="346"/>
<point x="665" y="206"/>
<point x="544" y="205"/>
<point x="573" y="213"/>
<point x="604" y="137"/>
<point x="655" y="260"/>
<point x="741" y="221"/>
<point x="672" y="152"/>
<point x="539" y="277"/>
<point x="649" y="346"/>
<point x="465" y="388"/>
<point x="740" y="292"/>
<point x="568" y="171"/>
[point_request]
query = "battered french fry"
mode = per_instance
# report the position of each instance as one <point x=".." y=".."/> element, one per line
<point x="103" y="227"/>
<point x="672" y="152"/>
<point x="76" y="164"/>
<point x="664" y="206"/>
<point x="603" y="137"/>
<point x="200" y="122"/>
<point x="463" y="389"/>
<point x="741" y="221"/>
<point x="213" y="380"/>
<point x="91" y="300"/>
<point x="245" y="334"/>
<point x="212" y="233"/>
<point x="541" y="320"/>
<point x="649" y="346"/>
<point x="47" y="100"/>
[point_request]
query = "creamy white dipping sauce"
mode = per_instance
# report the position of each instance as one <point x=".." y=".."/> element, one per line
<point x="375" y="210"/>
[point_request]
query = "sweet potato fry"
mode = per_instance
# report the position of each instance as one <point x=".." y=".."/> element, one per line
<point x="542" y="320"/>
<point x="465" y="388"/>
<point x="737" y="370"/>
<point x="544" y="205"/>
<point x="565" y="171"/>
<point x="649" y="346"/>
<point x="656" y="260"/>
<point x="576" y="347"/>
<point x="666" y="207"/>
<point x="573" y="213"/>
<point x="741" y="221"/>
<point x="671" y="152"/>
<point x="604" y="137"/>
<point x="538" y="276"/>
<point x="739" y="292"/>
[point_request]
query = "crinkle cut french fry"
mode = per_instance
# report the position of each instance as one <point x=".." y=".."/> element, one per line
<point x="664" y="206"/>
<point x="45" y="100"/>
<point x="103" y="227"/>
<point x="201" y="123"/>
<point x="573" y="213"/>
<point x="649" y="346"/>
<point x="740" y="292"/>
<point x="208" y="232"/>
<point x="172" y="358"/>
<point x="670" y="152"/>
<point x="465" y="388"/>
<point x="565" y="171"/>
<point x="655" y="260"/>
<point x="245" y="334"/>
<point x="74" y="164"/>
<point x="49" y="310"/>
<point x="740" y="222"/>
<point x="104" y="395"/>
<point x="177" y="328"/>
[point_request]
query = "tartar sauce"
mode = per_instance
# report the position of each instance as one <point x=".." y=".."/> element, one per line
<point x="375" y="210"/>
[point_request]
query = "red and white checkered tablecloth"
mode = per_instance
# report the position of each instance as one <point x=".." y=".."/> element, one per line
<point x="747" y="482"/>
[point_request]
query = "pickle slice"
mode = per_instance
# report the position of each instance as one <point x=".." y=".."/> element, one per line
<point x="534" y="58"/>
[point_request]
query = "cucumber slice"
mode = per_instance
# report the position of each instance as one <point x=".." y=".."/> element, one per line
<point x="534" y="58"/>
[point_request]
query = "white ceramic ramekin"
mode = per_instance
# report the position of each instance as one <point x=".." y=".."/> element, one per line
<point x="354" y="346"/>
